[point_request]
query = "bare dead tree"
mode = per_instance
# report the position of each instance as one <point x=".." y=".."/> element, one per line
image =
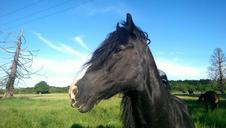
<point x="20" y="67"/>
<point x="217" y="70"/>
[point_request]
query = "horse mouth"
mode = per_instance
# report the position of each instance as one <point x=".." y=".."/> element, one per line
<point x="84" y="107"/>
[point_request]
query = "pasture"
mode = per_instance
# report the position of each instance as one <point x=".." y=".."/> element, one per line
<point x="54" y="111"/>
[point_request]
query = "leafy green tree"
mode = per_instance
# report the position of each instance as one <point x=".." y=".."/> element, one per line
<point x="41" y="87"/>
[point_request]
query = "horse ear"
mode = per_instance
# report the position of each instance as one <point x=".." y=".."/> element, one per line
<point x="129" y="22"/>
<point x="117" y="26"/>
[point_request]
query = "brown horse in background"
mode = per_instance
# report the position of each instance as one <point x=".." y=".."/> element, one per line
<point x="209" y="99"/>
<point x="124" y="64"/>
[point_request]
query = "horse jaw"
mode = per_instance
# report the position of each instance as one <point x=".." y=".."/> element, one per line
<point x="86" y="99"/>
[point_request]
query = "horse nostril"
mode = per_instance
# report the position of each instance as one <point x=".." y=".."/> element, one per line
<point x="72" y="100"/>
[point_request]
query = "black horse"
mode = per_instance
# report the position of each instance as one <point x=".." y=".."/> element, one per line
<point x="124" y="63"/>
<point x="209" y="98"/>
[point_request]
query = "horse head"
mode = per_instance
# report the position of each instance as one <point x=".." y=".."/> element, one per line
<point x="114" y="67"/>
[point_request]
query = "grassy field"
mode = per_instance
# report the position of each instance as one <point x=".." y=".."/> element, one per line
<point x="54" y="111"/>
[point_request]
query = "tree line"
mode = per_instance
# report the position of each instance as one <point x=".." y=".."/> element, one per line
<point x="201" y="85"/>
<point x="41" y="87"/>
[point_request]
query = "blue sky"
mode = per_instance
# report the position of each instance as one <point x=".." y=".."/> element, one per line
<point x="184" y="33"/>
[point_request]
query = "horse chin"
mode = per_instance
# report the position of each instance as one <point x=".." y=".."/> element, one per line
<point x="85" y="107"/>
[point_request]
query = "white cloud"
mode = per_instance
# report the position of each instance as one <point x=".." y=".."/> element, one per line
<point x="49" y="43"/>
<point x="63" y="48"/>
<point x="71" y="50"/>
<point x="178" y="71"/>
<point x="79" y="40"/>
<point x="59" y="73"/>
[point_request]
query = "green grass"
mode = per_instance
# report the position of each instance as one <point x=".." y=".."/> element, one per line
<point x="54" y="111"/>
<point x="204" y="119"/>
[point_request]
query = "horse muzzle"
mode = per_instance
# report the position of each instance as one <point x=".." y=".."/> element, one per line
<point x="72" y="94"/>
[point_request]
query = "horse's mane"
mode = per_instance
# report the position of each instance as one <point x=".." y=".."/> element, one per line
<point x="111" y="44"/>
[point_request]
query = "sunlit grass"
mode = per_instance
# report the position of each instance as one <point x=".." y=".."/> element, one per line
<point x="54" y="111"/>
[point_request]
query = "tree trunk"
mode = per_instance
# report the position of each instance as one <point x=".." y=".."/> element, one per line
<point x="220" y="80"/>
<point x="12" y="74"/>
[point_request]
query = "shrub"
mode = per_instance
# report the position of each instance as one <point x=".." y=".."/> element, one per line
<point x="41" y="87"/>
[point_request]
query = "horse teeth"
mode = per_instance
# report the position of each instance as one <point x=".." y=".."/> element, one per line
<point x="80" y="107"/>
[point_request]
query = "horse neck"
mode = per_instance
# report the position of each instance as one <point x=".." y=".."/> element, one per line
<point x="139" y="110"/>
<point x="141" y="106"/>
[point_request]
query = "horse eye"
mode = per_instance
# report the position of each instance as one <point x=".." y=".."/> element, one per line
<point x="118" y="50"/>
